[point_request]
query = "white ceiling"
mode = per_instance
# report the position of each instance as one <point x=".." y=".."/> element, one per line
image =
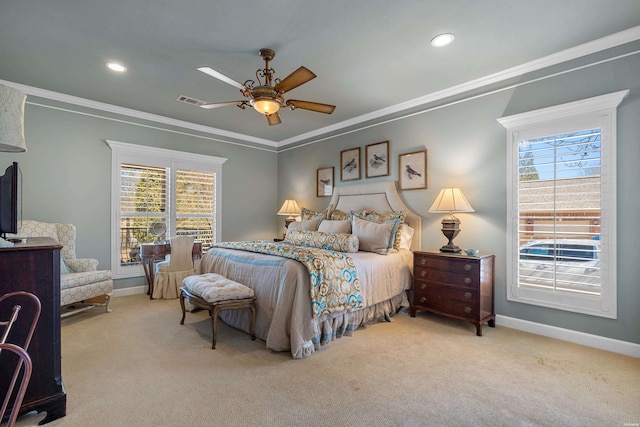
<point x="372" y="57"/>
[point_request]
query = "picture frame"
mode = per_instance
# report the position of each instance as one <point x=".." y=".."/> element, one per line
<point x="377" y="156"/>
<point x="324" y="182"/>
<point x="350" y="164"/>
<point x="412" y="170"/>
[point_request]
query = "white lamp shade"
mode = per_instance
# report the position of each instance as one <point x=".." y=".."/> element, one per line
<point x="450" y="200"/>
<point x="12" y="119"/>
<point x="290" y="207"/>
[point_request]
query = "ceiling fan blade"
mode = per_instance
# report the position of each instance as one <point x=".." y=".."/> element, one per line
<point x="218" y="75"/>
<point x="221" y="104"/>
<point x="273" y="119"/>
<point x="311" y="106"/>
<point x="295" y="79"/>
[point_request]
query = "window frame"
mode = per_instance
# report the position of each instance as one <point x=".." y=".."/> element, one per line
<point x="597" y="112"/>
<point x="123" y="152"/>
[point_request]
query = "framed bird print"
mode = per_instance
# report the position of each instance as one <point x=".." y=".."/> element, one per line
<point x="324" y="184"/>
<point x="377" y="159"/>
<point x="350" y="164"/>
<point x="412" y="170"/>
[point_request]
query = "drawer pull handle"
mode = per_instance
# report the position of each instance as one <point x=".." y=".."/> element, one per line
<point x="423" y="273"/>
<point x="467" y="267"/>
<point x="423" y="261"/>
<point x="423" y="299"/>
<point x="423" y="286"/>
<point x="467" y="310"/>
<point x="467" y="295"/>
<point x="467" y="280"/>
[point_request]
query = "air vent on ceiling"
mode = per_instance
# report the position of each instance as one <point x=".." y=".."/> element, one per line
<point x="191" y="101"/>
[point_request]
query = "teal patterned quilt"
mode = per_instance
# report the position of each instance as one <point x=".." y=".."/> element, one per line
<point x="332" y="275"/>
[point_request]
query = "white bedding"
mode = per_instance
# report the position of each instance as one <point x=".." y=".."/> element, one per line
<point x="284" y="317"/>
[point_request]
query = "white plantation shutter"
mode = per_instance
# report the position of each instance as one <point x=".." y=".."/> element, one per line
<point x="561" y="201"/>
<point x="195" y="205"/>
<point x="144" y="196"/>
<point x="559" y="212"/>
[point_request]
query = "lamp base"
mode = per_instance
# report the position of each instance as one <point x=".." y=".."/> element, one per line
<point x="450" y="229"/>
<point x="450" y="248"/>
<point x="288" y="221"/>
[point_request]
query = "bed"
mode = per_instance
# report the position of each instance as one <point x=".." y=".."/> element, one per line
<point x="284" y="316"/>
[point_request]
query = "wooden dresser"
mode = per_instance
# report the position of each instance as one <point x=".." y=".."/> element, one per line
<point x="34" y="267"/>
<point x="453" y="285"/>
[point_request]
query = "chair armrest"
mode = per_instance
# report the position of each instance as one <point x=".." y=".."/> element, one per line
<point x="82" y="265"/>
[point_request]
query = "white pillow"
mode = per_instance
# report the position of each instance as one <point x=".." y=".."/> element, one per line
<point x="305" y="224"/>
<point x="406" y="236"/>
<point x="374" y="236"/>
<point x="335" y="226"/>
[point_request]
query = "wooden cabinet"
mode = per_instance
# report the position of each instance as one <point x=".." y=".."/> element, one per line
<point x="34" y="267"/>
<point x="454" y="285"/>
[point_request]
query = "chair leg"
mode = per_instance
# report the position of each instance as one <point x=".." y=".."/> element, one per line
<point x="106" y="304"/>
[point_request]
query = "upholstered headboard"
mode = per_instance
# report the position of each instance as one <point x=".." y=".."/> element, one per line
<point x="381" y="197"/>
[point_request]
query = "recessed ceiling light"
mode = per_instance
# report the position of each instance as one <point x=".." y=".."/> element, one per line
<point x="116" y="67"/>
<point x="442" y="40"/>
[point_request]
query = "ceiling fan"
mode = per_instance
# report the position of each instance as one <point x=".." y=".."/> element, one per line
<point x="266" y="96"/>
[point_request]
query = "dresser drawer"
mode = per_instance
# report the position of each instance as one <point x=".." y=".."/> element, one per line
<point x="467" y="279"/>
<point x="445" y="264"/>
<point x="431" y="291"/>
<point x="452" y="307"/>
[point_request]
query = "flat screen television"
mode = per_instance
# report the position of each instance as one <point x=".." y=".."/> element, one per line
<point x="9" y="201"/>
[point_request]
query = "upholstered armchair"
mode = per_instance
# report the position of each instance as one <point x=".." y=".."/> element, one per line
<point x="80" y="279"/>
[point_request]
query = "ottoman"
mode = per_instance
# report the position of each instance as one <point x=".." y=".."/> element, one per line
<point x="214" y="292"/>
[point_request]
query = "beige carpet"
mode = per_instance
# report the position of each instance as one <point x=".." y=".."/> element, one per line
<point x="138" y="367"/>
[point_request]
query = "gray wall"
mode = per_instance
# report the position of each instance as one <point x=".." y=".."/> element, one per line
<point x="66" y="176"/>
<point x="467" y="149"/>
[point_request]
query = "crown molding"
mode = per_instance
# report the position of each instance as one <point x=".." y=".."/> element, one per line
<point x="585" y="49"/>
<point x="110" y="108"/>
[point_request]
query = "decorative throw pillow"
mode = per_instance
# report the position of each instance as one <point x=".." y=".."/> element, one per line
<point x="309" y="214"/>
<point x="375" y="236"/>
<point x="339" y="215"/>
<point x="317" y="239"/>
<point x="406" y="236"/>
<point x="380" y="217"/>
<point x="64" y="268"/>
<point x="335" y="226"/>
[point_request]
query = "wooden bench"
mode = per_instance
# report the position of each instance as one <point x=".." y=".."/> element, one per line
<point x="216" y="293"/>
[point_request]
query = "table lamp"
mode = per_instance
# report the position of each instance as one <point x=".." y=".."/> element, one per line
<point x="291" y="208"/>
<point x="450" y="200"/>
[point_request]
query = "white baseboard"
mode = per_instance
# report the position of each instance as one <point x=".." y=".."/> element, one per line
<point x="134" y="290"/>
<point x="603" y="343"/>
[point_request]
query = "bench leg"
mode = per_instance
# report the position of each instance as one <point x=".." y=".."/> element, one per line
<point x="253" y="319"/>
<point x="214" y="324"/>
<point x="182" y="306"/>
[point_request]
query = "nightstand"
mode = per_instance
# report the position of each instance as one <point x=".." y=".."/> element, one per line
<point x="453" y="285"/>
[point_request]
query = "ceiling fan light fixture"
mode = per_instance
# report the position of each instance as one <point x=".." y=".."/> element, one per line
<point x="265" y="106"/>
<point x="442" y="40"/>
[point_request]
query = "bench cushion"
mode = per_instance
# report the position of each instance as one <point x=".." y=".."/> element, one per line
<point x="213" y="288"/>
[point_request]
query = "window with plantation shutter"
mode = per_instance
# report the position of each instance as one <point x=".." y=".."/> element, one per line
<point x="160" y="194"/>
<point x="561" y="223"/>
